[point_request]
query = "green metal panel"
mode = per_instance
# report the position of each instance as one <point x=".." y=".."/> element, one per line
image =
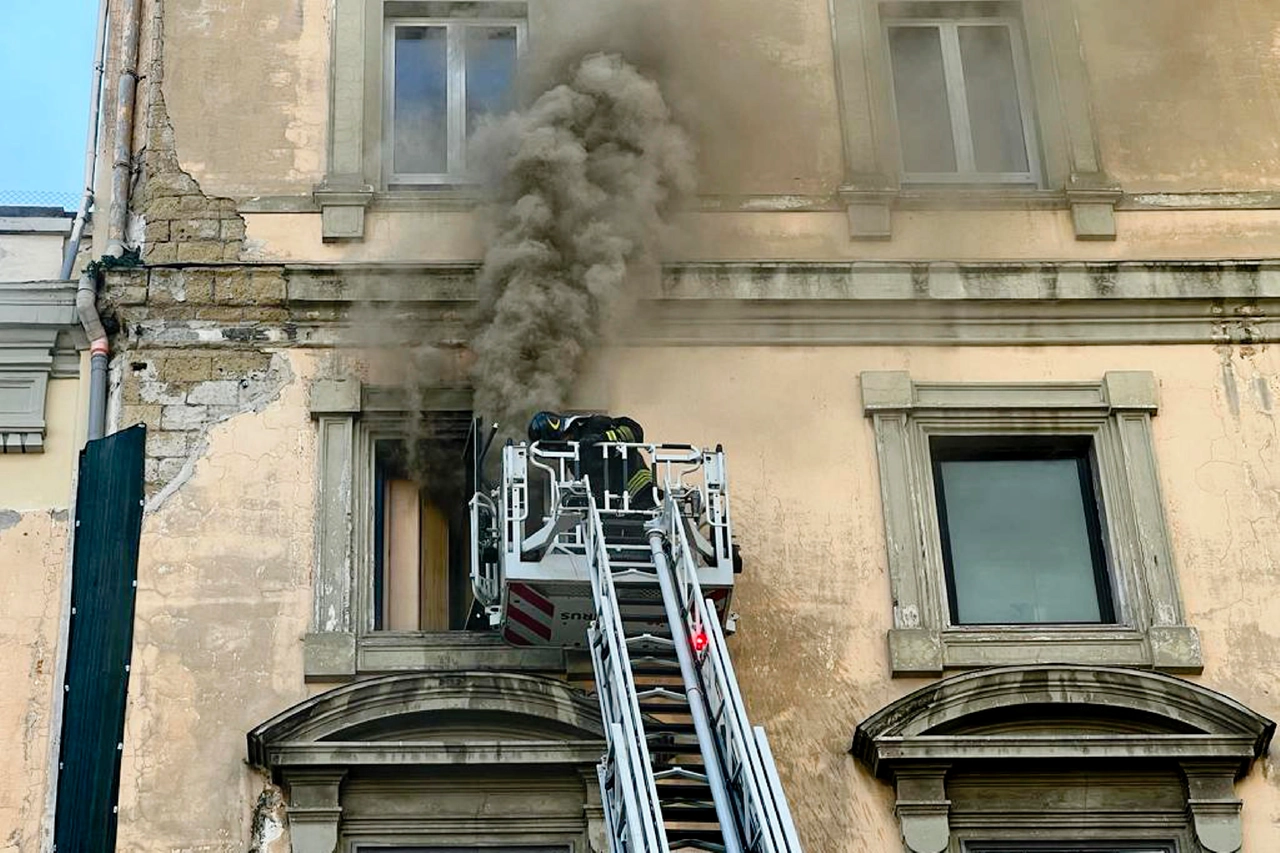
<point x="109" y="501"/>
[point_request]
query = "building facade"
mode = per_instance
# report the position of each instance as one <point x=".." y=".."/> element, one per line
<point x="42" y="408"/>
<point x="976" y="296"/>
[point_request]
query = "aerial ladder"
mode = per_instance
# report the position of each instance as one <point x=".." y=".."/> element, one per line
<point x="559" y="560"/>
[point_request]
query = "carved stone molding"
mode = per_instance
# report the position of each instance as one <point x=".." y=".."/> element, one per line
<point x="1070" y="725"/>
<point x="39" y="334"/>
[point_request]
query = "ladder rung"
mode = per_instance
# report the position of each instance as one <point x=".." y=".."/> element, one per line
<point x="680" y="773"/>
<point x="661" y="693"/>
<point x="650" y="638"/>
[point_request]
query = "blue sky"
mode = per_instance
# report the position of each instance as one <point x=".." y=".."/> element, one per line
<point x="46" y="61"/>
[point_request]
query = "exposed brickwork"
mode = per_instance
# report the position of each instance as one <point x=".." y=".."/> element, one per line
<point x="181" y="223"/>
<point x="192" y="352"/>
<point x="180" y="393"/>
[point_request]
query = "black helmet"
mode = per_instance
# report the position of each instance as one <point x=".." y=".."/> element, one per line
<point x="547" y="426"/>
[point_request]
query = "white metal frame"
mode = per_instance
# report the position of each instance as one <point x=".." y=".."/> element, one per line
<point x="456" y="99"/>
<point x="961" y="129"/>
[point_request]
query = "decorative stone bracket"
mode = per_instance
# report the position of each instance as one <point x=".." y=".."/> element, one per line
<point x="314" y="809"/>
<point x="342" y="211"/>
<point x="1093" y="201"/>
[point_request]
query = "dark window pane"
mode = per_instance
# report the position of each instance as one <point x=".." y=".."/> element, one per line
<point x="491" y="66"/>
<point x="991" y="87"/>
<point x="421" y="101"/>
<point x="1019" y="541"/>
<point x="920" y="91"/>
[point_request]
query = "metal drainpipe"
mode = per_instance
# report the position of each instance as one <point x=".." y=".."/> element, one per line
<point x="91" y="143"/>
<point x="125" y="97"/>
<point x="87" y="291"/>
<point x="87" y="311"/>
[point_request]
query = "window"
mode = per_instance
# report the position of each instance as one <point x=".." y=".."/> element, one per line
<point x="442" y="77"/>
<point x="991" y="94"/>
<point x="392" y="591"/>
<point x="418" y="574"/>
<point x="961" y="98"/>
<point x="1024" y="524"/>
<point x="1020" y="533"/>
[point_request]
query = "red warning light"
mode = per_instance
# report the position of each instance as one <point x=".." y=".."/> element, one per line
<point x="699" y="639"/>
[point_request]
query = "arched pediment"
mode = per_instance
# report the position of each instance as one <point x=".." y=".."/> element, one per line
<point x="1060" y="712"/>
<point x="469" y="717"/>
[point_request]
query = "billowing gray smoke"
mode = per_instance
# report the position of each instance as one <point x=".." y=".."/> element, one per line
<point x="581" y="181"/>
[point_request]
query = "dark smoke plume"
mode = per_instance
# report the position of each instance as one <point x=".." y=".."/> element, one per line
<point x="581" y="181"/>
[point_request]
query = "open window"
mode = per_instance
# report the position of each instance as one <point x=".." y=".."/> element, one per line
<point x="392" y="588"/>
<point x="419" y="573"/>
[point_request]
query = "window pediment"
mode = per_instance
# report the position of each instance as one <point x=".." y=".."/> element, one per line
<point x="956" y="748"/>
<point x="1115" y="709"/>
<point x="438" y="760"/>
<point x="444" y="717"/>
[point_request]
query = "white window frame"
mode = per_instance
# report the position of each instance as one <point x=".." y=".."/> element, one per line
<point x="456" y="107"/>
<point x="961" y="130"/>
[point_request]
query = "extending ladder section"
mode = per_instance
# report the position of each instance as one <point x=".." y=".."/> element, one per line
<point x="684" y="768"/>
<point x="554" y="554"/>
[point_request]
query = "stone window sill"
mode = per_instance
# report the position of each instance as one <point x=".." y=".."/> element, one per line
<point x="337" y="656"/>
<point x="921" y="651"/>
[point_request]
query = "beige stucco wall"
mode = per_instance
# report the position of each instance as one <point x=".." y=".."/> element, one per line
<point x="30" y="481"/>
<point x="1180" y="96"/>
<point x="224" y="580"/>
<point x="32" y="563"/>
<point x="30" y="257"/>
<point x="224" y="597"/>
<point x="35" y="493"/>
<point x="918" y="235"/>
<point x="815" y="598"/>
<point x="1184" y="92"/>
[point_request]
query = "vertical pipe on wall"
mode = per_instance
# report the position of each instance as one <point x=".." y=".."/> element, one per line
<point x="91" y="143"/>
<point x="123" y="141"/>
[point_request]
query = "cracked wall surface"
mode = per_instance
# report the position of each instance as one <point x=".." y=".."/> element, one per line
<point x="223" y="601"/>
<point x="224" y="581"/>
<point x="32" y="566"/>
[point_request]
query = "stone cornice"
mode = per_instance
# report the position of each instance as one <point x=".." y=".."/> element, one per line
<point x="454" y="752"/>
<point x="366" y="715"/>
<point x="37" y="303"/>
<point x="809" y="303"/>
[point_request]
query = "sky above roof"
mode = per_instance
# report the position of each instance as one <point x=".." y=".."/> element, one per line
<point x="46" y="65"/>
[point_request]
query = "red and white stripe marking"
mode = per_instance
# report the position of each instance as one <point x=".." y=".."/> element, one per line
<point x="530" y="616"/>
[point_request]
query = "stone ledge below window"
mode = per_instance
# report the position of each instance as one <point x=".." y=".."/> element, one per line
<point x="339" y="656"/>
<point x="921" y="651"/>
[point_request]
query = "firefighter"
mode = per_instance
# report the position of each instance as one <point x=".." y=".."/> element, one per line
<point x="632" y="472"/>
